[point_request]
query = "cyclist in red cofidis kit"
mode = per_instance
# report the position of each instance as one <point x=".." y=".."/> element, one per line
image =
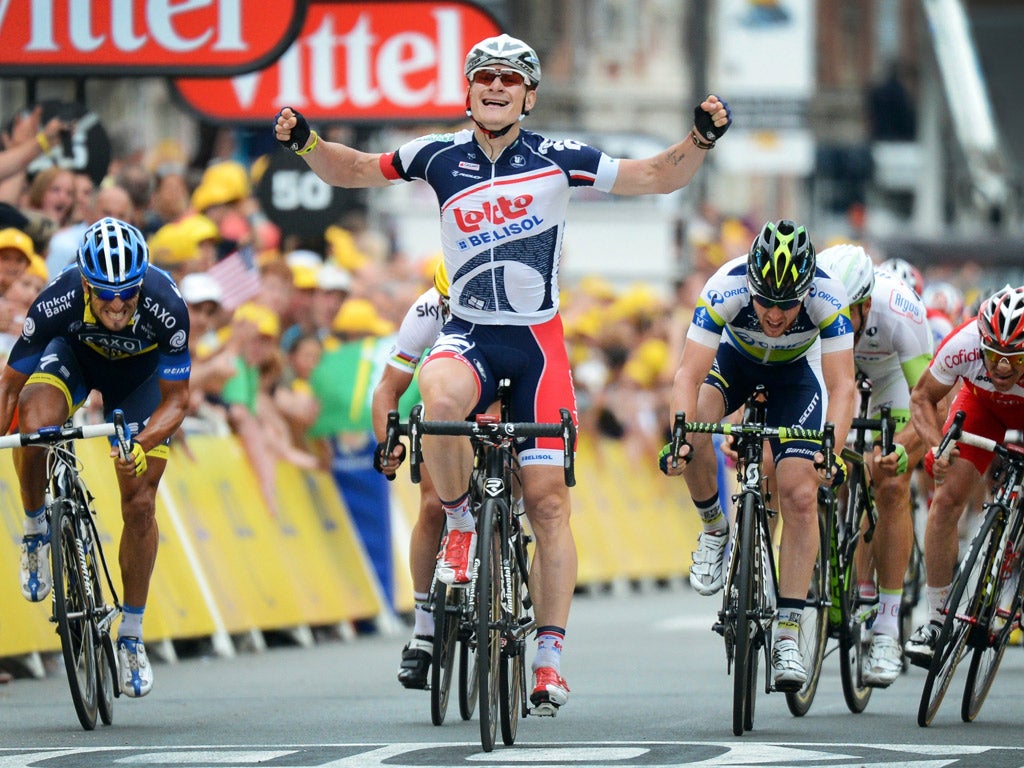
<point x="986" y="354"/>
<point x="503" y="193"/>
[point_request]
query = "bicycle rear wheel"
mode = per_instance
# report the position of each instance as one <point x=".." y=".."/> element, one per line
<point x="469" y="684"/>
<point x="814" y="625"/>
<point x="961" y="609"/>
<point x="446" y="638"/>
<point x="488" y="611"/>
<point x="72" y="607"/>
<point x="1002" y="616"/>
<point x="744" y="671"/>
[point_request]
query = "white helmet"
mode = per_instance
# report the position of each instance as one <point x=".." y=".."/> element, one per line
<point x="852" y="267"/>
<point x="906" y="272"/>
<point x="506" y="50"/>
<point x="945" y="298"/>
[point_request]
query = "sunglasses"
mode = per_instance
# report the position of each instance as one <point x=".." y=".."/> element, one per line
<point x="509" y="77"/>
<point x="785" y="305"/>
<point x="106" y="294"/>
<point x="994" y="356"/>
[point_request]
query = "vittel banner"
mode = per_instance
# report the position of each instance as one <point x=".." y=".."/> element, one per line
<point x="357" y="62"/>
<point x="144" y="37"/>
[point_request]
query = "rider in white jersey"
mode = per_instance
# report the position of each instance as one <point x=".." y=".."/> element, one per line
<point x="986" y="353"/>
<point x="772" y="317"/>
<point x="419" y="329"/>
<point x="893" y="348"/>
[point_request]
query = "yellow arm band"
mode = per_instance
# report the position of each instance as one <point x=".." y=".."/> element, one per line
<point x="43" y="142"/>
<point x="312" y="145"/>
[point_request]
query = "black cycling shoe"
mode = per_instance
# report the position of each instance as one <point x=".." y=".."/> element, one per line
<point x="416" y="662"/>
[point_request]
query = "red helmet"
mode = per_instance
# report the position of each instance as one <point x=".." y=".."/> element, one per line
<point x="1001" y="320"/>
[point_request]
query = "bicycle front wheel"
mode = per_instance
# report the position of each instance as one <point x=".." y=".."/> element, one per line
<point x="513" y="653"/>
<point x="962" y="610"/>
<point x="72" y="608"/>
<point x="853" y="647"/>
<point x="814" y="625"/>
<point x="744" y="671"/>
<point x="1002" y="617"/>
<point x="446" y="639"/>
<point x="488" y="611"/>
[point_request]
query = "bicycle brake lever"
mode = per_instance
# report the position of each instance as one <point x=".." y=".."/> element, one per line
<point x="123" y="431"/>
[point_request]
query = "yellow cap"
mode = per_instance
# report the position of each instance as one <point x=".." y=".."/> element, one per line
<point x="343" y="249"/>
<point x="37" y="268"/>
<point x="168" y="247"/>
<point x="18" y="240"/>
<point x="304" y="277"/>
<point x="198" y="228"/>
<point x="264" y="318"/>
<point x="359" y="316"/>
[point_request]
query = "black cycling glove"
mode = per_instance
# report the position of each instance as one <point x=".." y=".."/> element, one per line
<point x="706" y="126"/>
<point x="300" y="133"/>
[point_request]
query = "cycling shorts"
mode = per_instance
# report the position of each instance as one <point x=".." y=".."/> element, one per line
<point x="796" y="395"/>
<point x="60" y="367"/>
<point x="980" y="420"/>
<point x="533" y="358"/>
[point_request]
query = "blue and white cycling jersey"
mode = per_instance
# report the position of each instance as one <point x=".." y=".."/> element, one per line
<point x="725" y="312"/>
<point x="502" y="222"/>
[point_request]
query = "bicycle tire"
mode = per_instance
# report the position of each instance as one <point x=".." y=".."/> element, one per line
<point x="961" y="610"/>
<point x="106" y="676"/>
<point x="993" y="633"/>
<point x="814" y="625"/>
<point x="446" y="638"/>
<point x="73" y="610"/>
<point x="488" y="614"/>
<point x="852" y="647"/>
<point x="469" y="686"/>
<point x="744" y="648"/>
<point x="513" y="653"/>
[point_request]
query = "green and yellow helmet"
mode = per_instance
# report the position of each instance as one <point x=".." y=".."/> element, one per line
<point x="780" y="265"/>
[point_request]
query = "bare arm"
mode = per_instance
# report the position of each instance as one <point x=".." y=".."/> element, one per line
<point x="11" y="384"/>
<point x="696" y="361"/>
<point x="672" y="169"/>
<point x="925" y="412"/>
<point x="168" y="415"/>
<point x="390" y="388"/>
<point x="337" y="164"/>
<point x="839" y="373"/>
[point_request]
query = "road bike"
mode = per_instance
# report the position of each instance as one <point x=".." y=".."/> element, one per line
<point x="85" y="601"/>
<point x="984" y="604"/>
<point x="750" y="593"/>
<point x="499" y="592"/>
<point x="847" y="517"/>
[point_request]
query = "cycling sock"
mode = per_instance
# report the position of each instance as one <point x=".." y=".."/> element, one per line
<point x="711" y="516"/>
<point x="458" y="514"/>
<point x="36" y="523"/>
<point x="423" y="620"/>
<point x="887" y="620"/>
<point x="788" y="623"/>
<point x="936" y="599"/>
<point x="549" y="647"/>
<point x="131" y="621"/>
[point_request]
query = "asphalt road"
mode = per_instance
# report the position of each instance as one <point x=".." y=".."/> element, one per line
<point x="649" y="687"/>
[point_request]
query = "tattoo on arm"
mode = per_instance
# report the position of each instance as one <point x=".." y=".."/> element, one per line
<point x="675" y="156"/>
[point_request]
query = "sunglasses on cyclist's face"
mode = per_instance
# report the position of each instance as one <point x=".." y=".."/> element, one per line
<point x="106" y="294"/>
<point x="509" y="77"/>
<point x="994" y="356"/>
<point x="784" y="305"/>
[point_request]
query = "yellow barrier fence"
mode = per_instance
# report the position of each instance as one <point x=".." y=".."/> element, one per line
<point x="227" y="566"/>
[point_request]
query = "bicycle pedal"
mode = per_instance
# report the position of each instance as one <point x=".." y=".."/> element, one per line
<point x="544" y="709"/>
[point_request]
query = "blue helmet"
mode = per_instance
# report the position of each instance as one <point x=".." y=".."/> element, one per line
<point x="113" y="254"/>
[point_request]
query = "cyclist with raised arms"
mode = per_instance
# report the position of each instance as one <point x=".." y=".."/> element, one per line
<point x="892" y="347"/>
<point x="771" y="317"/>
<point x="503" y="193"/>
<point x="420" y="327"/>
<point x="116" y="324"/>
<point x="986" y="353"/>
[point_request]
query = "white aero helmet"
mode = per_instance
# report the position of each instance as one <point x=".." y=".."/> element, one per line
<point x="945" y="298"/>
<point x="506" y="50"/>
<point x="852" y="267"/>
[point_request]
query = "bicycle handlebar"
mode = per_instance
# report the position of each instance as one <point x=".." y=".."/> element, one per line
<point x="55" y="434"/>
<point x="1014" y="437"/>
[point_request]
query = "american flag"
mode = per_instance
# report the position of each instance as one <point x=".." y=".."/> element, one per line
<point x="239" y="277"/>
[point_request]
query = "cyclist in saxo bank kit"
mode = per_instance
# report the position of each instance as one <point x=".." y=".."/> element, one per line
<point x="773" y="317"/>
<point x="987" y="354"/>
<point x="115" y="324"/>
<point x="503" y="193"/>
